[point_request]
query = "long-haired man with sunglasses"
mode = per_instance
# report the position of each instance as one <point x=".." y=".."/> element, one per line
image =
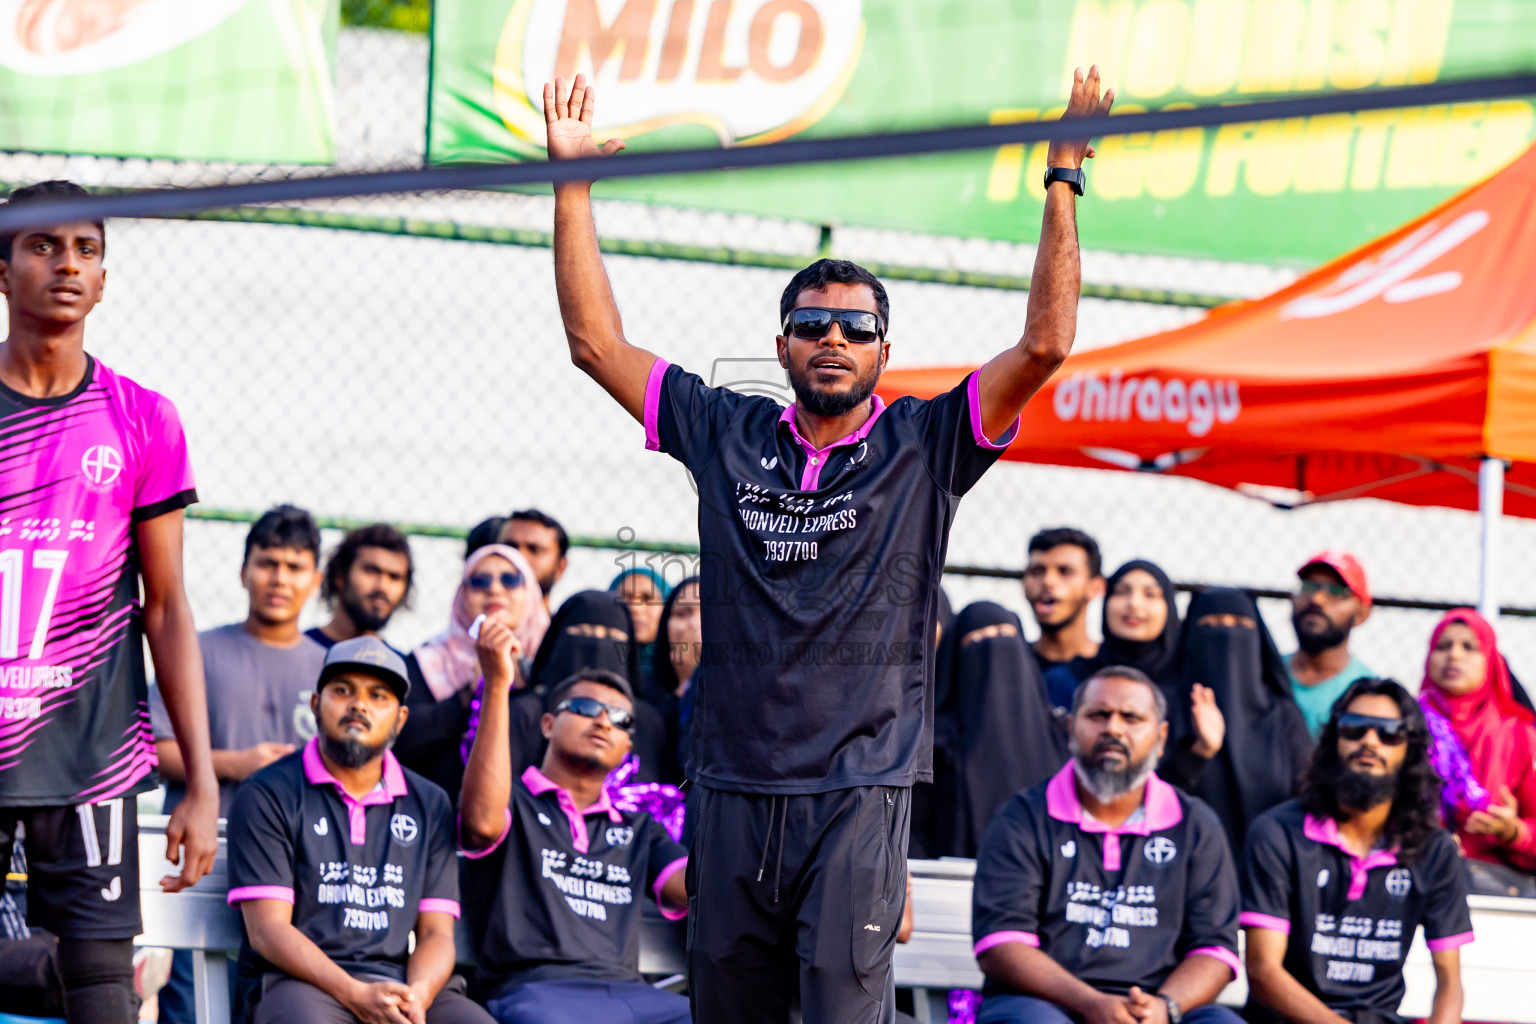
<point x="554" y="873"/>
<point x="1336" y="882"/>
<point x="822" y="533"/>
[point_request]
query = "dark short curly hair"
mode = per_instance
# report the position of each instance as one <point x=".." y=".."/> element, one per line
<point x="376" y="535"/>
<point x="1415" y="815"/>
<point x="55" y="189"/>
<point x="824" y="272"/>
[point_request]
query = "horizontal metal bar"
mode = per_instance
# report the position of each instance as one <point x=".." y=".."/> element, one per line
<point x="175" y="202"/>
<point x="419" y="228"/>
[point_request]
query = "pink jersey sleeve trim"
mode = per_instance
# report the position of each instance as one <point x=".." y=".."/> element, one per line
<point x="506" y="830"/>
<point x="259" y="892"/>
<point x="999" y="938"/>
<point x="653" y="403"/>
<point x="437" y="905"/>
<point x="1221" y="953"/>
<point x="1249" y="919"/>
<point x="1449" y="942"/>
<point x="670" y="913"/>
<point x="973" y="397"/>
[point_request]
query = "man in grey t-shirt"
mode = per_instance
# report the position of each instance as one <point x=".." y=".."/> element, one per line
<point x="261" y="671"/>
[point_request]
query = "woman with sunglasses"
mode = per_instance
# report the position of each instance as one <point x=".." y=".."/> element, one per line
<point x="498" y="583"/>
<point x="1483" y="742"/>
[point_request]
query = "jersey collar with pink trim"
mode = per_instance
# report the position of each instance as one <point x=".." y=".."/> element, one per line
<point x="1326" y="831"/>
<point x="392" y="787"/>
<point x="538" y="784"/>
<point x="816" y="458"/>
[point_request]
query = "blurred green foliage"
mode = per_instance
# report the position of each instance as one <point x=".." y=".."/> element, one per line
<point x="401" y="15"/>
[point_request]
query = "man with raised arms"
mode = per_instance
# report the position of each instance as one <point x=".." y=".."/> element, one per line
<point x="94" y="478"/>
<point x="822" y="531"/>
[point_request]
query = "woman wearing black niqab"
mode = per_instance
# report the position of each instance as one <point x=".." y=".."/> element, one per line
<point x="995" y="731"/>
<point x="1227" y="647"/>
<point x="1135" y="597"/>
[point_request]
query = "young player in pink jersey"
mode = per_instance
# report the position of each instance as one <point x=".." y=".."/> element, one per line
<point x="94" y="476"/>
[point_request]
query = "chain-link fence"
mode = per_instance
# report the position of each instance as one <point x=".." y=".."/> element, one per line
<point x="407" y="364"/>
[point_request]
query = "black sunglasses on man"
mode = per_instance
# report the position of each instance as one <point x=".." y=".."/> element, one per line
<point x="811" y="323"/>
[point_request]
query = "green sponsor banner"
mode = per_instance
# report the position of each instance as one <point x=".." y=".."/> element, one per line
<point x="676" y="73"/>
<point x="238" y="80"/>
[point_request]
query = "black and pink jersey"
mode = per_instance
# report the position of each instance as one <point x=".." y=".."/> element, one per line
<point x="1116" y="906"/>
<point x="819" y="573"/>
<point x="558" y="895"/>
<point x="77" y="473"/>
<point x="1350" y="919"/>
<point x="358" y="870"/>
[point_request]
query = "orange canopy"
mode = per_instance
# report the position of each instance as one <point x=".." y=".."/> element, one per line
<point x="1388" y="373"/>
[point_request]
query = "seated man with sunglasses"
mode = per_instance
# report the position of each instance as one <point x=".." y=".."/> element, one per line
<point x="1336" y="882"/>
<point x="555" y="874"/>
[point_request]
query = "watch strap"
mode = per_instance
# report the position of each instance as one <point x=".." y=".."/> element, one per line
<point x="1175" y="1012"/>
<point x="1073" y="176"/>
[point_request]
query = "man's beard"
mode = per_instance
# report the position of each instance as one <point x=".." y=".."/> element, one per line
<point x="366" y="620"/>
<point x="821" y="403"/>
<point x="1053" y="628"/>
<point x="1106" y="783"/>
<point x="1316" y="643"/>
<point x="352" y="752"/>
<point x="1360" y="791"/>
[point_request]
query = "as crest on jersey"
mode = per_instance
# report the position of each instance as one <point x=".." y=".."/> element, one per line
<point x="403" y="827"/>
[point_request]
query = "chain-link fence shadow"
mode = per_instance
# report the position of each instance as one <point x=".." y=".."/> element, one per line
<point x="388" y="368"/>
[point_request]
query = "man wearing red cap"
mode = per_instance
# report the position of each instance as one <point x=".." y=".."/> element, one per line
<point x="1332" y="599"/>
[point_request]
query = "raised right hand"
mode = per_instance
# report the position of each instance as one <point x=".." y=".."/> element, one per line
<point x="379" y="1002"/>
<point x="568" y="121"/>
<point x="497" y="648"/>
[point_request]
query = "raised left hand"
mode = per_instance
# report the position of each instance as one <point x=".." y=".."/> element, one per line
<point x="1210" y="723"/>
<point x="1085" y="102"/>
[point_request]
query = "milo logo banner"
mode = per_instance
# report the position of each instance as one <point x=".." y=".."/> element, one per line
<point x="238" y="80"/>
<point x="684" y="73"/>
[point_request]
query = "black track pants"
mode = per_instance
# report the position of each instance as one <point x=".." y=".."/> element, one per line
<point x="796" y="901"/>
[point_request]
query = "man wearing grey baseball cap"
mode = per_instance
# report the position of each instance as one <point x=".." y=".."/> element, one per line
<point x="337" y="853"/>
<point x="370" y="656"/>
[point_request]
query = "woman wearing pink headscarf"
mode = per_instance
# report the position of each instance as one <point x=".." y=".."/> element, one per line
<point x="498" y="583"/>
<point x="1483" y="741"/>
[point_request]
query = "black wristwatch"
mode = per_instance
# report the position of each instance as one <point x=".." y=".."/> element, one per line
<point x="1175" y="1012"/>
<point x="1073" y="176"/>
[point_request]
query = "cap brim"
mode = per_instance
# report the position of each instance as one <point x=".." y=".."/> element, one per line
<point x="398" y="683"/>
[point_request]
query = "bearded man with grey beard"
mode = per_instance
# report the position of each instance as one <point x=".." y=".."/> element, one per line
<point x="1106" y="896"/>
